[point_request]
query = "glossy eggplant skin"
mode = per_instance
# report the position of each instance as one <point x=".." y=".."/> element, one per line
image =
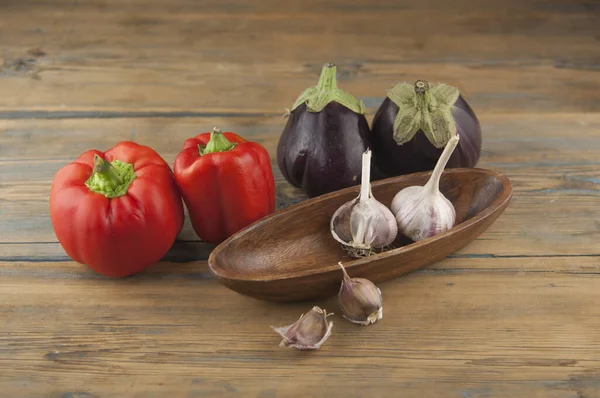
<point x="419" y="154"/>
<point x="321" y="152"/>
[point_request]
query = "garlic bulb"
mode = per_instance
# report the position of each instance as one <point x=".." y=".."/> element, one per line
<point x="423" y="211"/>
<point x="360" y="300"/>
<point x="309" y="332"/>
<point x="364" y="223"/>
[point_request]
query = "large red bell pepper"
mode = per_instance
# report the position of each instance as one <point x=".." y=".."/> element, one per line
<point x="226" y="183"/>
<point x="117" y="211"/>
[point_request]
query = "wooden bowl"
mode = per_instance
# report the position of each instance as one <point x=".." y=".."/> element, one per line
<point x="290" y="255"/>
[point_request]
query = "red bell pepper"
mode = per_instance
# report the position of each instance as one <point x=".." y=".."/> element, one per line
<point x="118" y="211"/>
<point x="226" y="183"/>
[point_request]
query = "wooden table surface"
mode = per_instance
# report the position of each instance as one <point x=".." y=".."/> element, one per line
<point x="514" y="314"/>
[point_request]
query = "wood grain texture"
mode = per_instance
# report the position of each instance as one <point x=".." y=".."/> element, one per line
<point x="556" y="176"/>
<point x="512" y="314"/>
<point x="508" y="329"/>
<point x="255" y="57"/>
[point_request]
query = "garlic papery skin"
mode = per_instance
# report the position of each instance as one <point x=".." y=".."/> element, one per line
<point x="364" y="223"/>
<point x="360" y="300"/>
<point x="309" y="332"/>
<point x="420" y="216"/>
<point x="423" y="211"/>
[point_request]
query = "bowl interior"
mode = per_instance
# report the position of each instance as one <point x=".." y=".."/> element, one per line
<point x="298" y="240"/>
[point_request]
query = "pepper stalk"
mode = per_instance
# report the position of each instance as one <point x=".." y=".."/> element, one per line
<point x="217" y="143"/>
<point x="111" y="179"/>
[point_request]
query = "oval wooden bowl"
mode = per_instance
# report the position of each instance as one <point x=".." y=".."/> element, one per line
<point x="290" y="255"/>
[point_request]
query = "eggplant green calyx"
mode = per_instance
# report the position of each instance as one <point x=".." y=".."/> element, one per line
<point x="326" y="91"/>
<point x="217" y="143"/>
<point x="110" y="179"/>
<point x="424" y="107"/>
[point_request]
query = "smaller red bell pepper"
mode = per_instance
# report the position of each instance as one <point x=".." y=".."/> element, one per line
<point x="118" y="211"/>
<point x="226" y="182"/>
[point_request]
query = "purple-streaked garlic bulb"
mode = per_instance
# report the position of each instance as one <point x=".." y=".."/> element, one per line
<point x="423" y="211"/>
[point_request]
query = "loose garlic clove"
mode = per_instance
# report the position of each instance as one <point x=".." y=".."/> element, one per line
<point x="360" y="300"/>
<point x="309" y="332"/>
<point x="423" y="211"/>
<point x="364" y="223"/>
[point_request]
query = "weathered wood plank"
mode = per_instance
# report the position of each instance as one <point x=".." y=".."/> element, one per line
<point x="514" y="314"/>
<point x="253" y="57"/>
<point x="555" y="207"/>
<point x="551" y="89"/>
<point x="445" y="331"/>
<point x="552" y="139"/>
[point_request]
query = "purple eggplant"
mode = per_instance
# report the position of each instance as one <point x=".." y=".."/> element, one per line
<point x="321" y="147"/>
<point x="414" y="123"/>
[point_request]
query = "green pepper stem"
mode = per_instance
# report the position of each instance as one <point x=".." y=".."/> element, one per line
<point x="217" y="143"/>
<point x="110" y="179"/>
<point x="107" y="172"/>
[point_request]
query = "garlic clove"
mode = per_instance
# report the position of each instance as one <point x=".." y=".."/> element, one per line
<point x="309" y="332"/>
<point x="423" y="211"/>
<point x="340" y="223"/>
<point x="360" y="300"/>
<point x="373" y="224"/>
<point x="364" y="223"/>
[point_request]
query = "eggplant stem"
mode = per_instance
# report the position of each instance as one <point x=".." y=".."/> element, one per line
<point x="328" y="79"/>
<point x="326" y="91"/>
<point x="421" y="86"/>
<point x="424" y="107"/>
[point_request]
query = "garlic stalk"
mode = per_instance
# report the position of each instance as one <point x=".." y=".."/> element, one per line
<point x="423" y="211"/>
<point x="309" y="332"/>
<point x="360" y="300"/>
<point x="364" y="223"/>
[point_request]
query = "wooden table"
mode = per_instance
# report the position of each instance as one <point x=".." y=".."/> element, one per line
<point x="514" y="314"/>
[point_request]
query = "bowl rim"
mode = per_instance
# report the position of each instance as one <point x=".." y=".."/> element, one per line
<point x="498" y="203"/>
